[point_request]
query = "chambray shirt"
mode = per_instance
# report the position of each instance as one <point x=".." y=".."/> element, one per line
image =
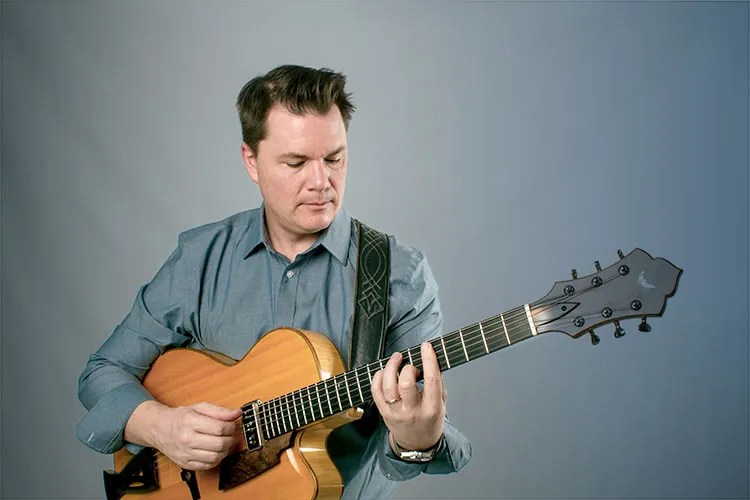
<point x="222" y="288"/>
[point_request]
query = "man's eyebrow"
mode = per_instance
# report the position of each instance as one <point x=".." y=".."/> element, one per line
<point x="300" y="156"/>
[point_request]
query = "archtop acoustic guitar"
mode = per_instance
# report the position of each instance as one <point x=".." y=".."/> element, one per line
<point x="293" y="388"/>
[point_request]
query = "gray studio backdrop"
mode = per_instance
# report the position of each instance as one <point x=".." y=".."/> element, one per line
<point x="509" y="141"/>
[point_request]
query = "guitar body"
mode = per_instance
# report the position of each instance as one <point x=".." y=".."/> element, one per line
<point x="282" y="361"/>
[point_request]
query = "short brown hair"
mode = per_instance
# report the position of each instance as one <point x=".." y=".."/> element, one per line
<point x="299" y="89"/>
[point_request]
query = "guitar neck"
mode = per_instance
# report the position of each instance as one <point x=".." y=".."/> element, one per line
<point x="353" y="388"/>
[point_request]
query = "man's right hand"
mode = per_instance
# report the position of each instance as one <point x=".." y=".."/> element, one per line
<point x="195" y="437"/>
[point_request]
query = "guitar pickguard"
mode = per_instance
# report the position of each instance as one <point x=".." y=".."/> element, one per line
<point x="245" y="465"/>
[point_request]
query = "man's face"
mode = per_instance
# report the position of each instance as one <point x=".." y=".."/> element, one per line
<point x="300" y="168"/>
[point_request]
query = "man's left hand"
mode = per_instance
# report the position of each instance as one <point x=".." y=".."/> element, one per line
<point x="415" y="419"/>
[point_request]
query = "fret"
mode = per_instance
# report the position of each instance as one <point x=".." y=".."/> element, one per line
<point x="320" y="404"/>
<point x="484" y="338"/>
<point x="336" y="388"/>
<point x="296" y="413"/>
<point x="369" y="375"/>
<point x="275" y="417"/>
<point x="302" y="405"/>
<point x="328" y="397"/>
<point x="359" y="388"/>
<point x="507" y="337"/>
<point x="264" y="423"/>
<point x="281" y="412"/>
<point x="411" y="361"/>
<point x="447" y="361"/>
<point x="417" y="356"/>
<point x="312" y="406"/>
<point x="463" y="344"/>
<point x="346" y="384"/>
<point x="289" y="411"/>
<point x="280" y="406"/>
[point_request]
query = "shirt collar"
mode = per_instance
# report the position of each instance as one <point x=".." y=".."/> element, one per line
<point x="335" y="238"/>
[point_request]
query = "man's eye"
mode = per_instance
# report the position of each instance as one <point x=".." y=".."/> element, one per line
<point x="333" y="160"/>
<point x="298" y="164"/>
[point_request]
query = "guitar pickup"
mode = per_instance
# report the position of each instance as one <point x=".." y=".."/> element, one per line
<point x="251" y="426"/>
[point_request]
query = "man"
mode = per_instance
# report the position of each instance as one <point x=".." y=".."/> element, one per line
<point x="290" y="262"/>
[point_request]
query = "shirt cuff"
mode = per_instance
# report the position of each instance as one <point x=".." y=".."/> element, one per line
<point x="393" y="467"/>
<point x="103" y="427"/>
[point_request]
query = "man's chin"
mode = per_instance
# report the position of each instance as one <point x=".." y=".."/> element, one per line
<point x="317" y="221"/>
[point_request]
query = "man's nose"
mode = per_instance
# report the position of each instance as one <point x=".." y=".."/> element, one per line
<point x="319" y="174"/>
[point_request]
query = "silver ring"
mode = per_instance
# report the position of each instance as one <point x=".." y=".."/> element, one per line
<point x="394" y="400"/>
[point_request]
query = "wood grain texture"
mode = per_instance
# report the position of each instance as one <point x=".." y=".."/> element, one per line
<point x="283" y="361"/>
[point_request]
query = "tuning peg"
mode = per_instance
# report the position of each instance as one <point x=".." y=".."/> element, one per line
<point x="597" y="266"/>
<point x="574" y="273"/>
<point x="644" y="327"/>
<point x="619" y="332"/>
<point x="620" y="254"/>
<point x="594" y="337"/>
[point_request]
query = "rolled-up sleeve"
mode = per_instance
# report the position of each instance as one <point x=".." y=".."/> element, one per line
<point x="415" y="317"/>
<point x="162" y="317"/>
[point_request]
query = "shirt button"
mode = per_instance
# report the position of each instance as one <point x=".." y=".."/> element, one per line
<point x="290" y="274"/>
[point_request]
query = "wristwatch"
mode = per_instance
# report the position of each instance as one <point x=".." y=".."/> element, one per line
<point x="419" y="456"/>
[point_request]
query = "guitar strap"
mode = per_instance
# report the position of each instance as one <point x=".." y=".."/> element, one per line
<point x="371" y="280"/>
<point x="369" y="325"/>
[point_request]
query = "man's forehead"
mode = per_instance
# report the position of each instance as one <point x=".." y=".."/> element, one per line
<point x="290" y="131"/>
<point x="286" y="119"/>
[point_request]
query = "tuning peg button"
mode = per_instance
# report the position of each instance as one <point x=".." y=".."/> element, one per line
<point x="619" y="332"/>
<point x="644" y="327"/>
<point x="597" y="266"/>
<point x="594" y="337"/>
<point x="574" y="273"/>
<point x="620" y="254"/>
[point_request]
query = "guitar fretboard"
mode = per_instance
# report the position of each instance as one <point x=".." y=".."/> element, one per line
<point x="339" y="393"/>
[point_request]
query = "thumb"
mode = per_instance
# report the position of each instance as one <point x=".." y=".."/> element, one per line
<point x="217" y="412"/>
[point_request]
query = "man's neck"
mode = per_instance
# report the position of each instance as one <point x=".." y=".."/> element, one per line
<point x="291" y="245"/>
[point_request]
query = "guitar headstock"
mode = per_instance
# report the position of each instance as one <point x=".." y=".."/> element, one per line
<point x="636" y="286"/>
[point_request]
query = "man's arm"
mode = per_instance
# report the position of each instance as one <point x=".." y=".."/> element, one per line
<point x="121" y="410"/>
<point x="415" y="317"/>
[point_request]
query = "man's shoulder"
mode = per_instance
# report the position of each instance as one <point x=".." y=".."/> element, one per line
<point x="236" y="227"/>
<point x="406" y="260"/>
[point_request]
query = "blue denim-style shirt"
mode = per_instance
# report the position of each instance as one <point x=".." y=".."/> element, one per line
<point x="223" y="288"/>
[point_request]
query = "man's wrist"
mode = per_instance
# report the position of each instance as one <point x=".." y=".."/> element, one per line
<point x="418" y="456"/>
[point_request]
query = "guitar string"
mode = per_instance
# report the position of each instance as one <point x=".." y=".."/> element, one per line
<point x="296" y="407"/>
<point x="452" y="347"/>
<point x="282" y="414"/>
<point x="475" y="345"/>
<point x="452" y="338"/>
<point x="416" y="357"/>
<point x="451" y="341"/>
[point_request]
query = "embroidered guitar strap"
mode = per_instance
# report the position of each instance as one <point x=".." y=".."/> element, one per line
<point x="370" y="319"/>
<point x="369" y="324"/>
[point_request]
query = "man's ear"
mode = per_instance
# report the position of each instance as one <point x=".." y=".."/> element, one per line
<point x="250" y="160"/>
